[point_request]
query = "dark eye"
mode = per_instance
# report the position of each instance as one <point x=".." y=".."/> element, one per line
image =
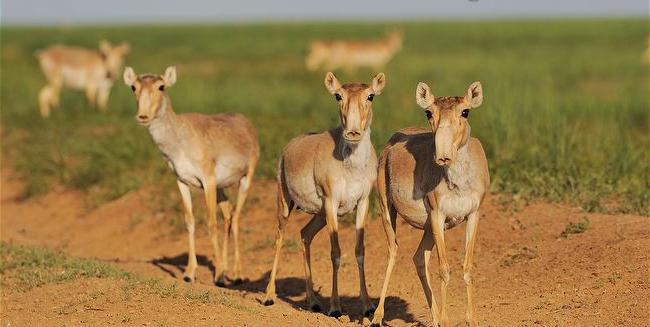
<point x="338" y="97"/>
<point x="133" y="88"/>
<point x="370" y="97"/>
<point x="429" y="114"/>
<point x="465" y="113"/>
<point x="162" y="87"/>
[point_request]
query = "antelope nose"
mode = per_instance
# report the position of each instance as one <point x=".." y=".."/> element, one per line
<point x="443" y="161"/>
<point x="353" y="134"/>
<point x="142" y="117"/>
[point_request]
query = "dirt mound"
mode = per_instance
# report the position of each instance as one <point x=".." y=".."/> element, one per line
<point x="525" y="273"/>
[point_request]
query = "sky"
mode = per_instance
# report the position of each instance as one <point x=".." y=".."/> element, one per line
<point x="71" y="12"/>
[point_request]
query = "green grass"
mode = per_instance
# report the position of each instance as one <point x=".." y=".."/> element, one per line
<point x="26" y="267"/>
<point x="565" y="115"/>
<point x="576" y="228"/>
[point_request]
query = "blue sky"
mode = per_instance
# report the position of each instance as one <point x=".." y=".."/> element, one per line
<point x="55" y="12"/>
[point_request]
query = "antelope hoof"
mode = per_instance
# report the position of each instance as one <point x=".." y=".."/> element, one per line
<point x="268" y="302"/>
<point x="335" y="313"/>
<point x="315" y="307"/>
<point x="221" y="282"/>
<point x="374" y="324"/>
<point x="369" y="312"/>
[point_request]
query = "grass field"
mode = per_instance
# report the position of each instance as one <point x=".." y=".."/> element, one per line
<point x="565" y="115"/>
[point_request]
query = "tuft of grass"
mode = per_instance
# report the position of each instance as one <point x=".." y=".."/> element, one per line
<point x="25" y="267"/>
<point x="565" y="116"/>
<point x="524" y="254"/>
<point x="30" y="267"/>
<point x="576" y="228"/>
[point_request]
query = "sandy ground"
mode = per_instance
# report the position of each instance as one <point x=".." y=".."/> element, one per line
<point x="525" y="274"/>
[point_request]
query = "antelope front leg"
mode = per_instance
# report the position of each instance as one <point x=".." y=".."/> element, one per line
<point x="224" y="205"/>
<point x="470" y="241"/>
<point x="186" y="196"/>
<point x="438" y="226"/>
<point x="210" y="192"/>
<point x="331" y="217"/>
<point x="102" y="96"/>
<point x="91" y="94"/>
<point x="421" y="260"/>
<point x="307" y="234"/>
<point x="362" y="211"/>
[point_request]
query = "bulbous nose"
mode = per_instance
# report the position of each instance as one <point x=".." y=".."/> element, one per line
<point x="353" y="134"/>
<point x="443" y="161"/>
<point x="143" y="117"/>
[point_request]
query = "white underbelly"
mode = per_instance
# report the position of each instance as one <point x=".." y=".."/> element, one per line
<point x="74" y="78"/>
<point x="309" y="199"/>
<point x="186" y="171"/>
<point x="457" y="205"/>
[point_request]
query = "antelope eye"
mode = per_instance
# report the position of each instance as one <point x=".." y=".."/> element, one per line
<point x="370" y="97"/>
<point x="133" y="88"/>
<point x="162" y="87"/>
<point x="429" y="114"/>
<point x="465" y="113"/>
<point x="338" y="97"/>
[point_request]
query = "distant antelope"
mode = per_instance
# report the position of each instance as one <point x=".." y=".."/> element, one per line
<point x="211" y="152"/>
<point x="351" y="55"/>
<point x="435" y="179"/>
<point x="79" y="69"/>
<point x="328" y="175"/>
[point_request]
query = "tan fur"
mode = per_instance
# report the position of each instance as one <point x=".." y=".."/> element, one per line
<point x="351" y="55"/>
<point x="434" y="179"/>
<point x="328" y="175"/>
<point x="92" y="71"/>
<point x="211" y="152"/>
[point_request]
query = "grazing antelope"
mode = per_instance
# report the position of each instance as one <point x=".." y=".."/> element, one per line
<point x="434" y="179"/>
<point x="328" y="175"/>
<point x="79" y="69"/>
<point x="211" y="152"/>
<point x="351" y="55"/>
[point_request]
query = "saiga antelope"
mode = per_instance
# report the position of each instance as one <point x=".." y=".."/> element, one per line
<point x="435" y="179"/>
<point x="79" y="69"/>
<point x="351" y="55"/>
<point x="328" y="175"/>
<point x="211" y="152"/>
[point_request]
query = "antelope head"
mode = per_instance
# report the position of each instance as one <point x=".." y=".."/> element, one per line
<point x="113" y="57"/>
<point x="448" y="119"/>
<point x="355" y="104"/>
<point x="149" y="91"/>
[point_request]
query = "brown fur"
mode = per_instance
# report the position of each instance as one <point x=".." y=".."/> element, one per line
<point x="211" y="152"/>
<point x="93" y="71"/>
<point x="352" y="55"/>
<point x="434" y="179"/>
<point x="328" y="175"/>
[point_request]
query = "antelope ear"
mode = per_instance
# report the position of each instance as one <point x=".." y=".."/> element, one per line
<point x="125" y="47"/>
<point x="474" y="95"/>
<point x="129" y="76"/>
<point x="423" y="95"/>
<point x="378" y="83"/>
<point x="105" y="46"/>
<point x="331" y="83"/>
<point x="170" y="76"/>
